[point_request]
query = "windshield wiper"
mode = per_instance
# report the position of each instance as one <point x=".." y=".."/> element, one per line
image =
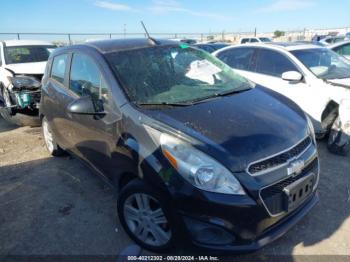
<point x="220" y="94"/>
<point x="165" y="104"/>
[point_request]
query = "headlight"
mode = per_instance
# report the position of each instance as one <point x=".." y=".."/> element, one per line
<point x="311" y="128"/>
<point x="344" y="111"/>
<point x="18" y="82"/>
<point x="198" y="168"/>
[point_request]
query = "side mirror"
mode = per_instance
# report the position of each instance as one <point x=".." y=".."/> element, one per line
<point x="292" y="76"/>
<point x="84" y="106"/>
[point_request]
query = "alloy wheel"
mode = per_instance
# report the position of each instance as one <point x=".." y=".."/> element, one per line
<point x="146" y="220"/>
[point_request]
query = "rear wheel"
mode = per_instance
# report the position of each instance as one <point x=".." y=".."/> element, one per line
<point x="50" y="142"/>
<point x="338" y="141"/>
<point x="145" y="217"/>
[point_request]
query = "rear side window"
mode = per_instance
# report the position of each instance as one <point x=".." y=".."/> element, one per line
<point x="86" y="78"/>
<point x="272" y="63"/>
<point x="245" y="40"/>
<point x="238" y="58"/>
<point x="343" y="50"/>
<point x="253" y="40"/>
<point x="59" y="67"/>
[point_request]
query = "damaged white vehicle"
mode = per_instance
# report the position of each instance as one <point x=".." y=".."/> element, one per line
<point x="22" y="65"/>
<point x="314" y="77"/>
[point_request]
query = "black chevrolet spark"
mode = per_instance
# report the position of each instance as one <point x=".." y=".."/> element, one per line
<point x="197" y="153"/>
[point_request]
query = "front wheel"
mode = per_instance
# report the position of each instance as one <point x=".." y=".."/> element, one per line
<point x="338" y="141"/>
<point x="50" y="142"/>
<point x="145" y="217"/>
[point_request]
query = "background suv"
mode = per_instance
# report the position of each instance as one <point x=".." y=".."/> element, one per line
<point x="147" y="115"/>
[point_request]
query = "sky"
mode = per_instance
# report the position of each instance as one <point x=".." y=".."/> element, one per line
<point x="171" y="16"/>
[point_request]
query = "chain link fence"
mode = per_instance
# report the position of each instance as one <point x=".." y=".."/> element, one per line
<point x="230" y="37"/>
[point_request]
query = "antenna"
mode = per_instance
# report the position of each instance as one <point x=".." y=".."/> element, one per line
<point x="152" y="40"/>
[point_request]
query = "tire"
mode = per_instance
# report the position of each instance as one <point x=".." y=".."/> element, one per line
<point x="50" y="142"/>
<point x="338" y="141"/>
<point x="136" y="217"/>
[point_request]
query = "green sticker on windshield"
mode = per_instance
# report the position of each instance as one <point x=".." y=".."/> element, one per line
<point x="183" y="46"/>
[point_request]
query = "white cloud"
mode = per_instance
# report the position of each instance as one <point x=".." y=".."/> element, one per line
<point x="167" y="6"/>
<point x="113" y="6"/>
<point x="287" y="5"/>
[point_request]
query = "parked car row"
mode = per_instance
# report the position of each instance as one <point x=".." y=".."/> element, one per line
<point x="225" y="159"/>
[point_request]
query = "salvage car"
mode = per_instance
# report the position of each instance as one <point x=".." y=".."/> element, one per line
<point x="22" y="65"/>
<point x="198" y="153"/>
<point x="342" y="48"/>
<point x="314" y="77"/>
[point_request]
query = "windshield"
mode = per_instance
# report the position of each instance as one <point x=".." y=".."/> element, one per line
<point x="324" y="63"/>
<point x="265" y="39"/>
<point x="173" y="74"/>
<point x="27" y="54"/>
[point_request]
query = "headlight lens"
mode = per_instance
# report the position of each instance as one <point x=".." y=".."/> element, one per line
<point x="19" y="82"/>
<point x="198" y="168"/>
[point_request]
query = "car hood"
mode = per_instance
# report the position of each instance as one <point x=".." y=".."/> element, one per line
<point x="27" y="68"/>
<point x="344" y="82"/>
<point x="242" y="127"/>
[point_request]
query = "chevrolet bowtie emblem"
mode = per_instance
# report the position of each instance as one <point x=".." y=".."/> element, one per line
<point x="295" y="167"/>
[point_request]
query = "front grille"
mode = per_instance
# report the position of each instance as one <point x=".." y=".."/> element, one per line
<point x="280" y="159"/>
<point x="272" y="196"/>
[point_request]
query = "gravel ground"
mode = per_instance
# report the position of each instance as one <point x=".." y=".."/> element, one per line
<point x="56" y="206"/>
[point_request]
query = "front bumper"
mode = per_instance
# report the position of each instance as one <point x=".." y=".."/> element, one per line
<point x="245" y="223"/>
<point x="269" y="235"/>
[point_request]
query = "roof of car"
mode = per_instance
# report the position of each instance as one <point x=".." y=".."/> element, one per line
<point x="290" y="46"/>
<point x="113" y="45"/>
<point x="25" y="42"/>
<point x="339" y="44"/>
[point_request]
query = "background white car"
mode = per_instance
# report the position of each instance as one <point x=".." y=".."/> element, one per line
<point x="22" y="65"/>
<point x="314" y="77"/>
<point x="342" y="48"/>
<point x="245" y="40"/>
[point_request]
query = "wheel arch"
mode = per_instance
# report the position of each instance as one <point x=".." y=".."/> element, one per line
<point x="329" y="114"/>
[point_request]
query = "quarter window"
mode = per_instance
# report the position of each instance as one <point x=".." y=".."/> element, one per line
<point x="273" y="63"/>
<point x="86" y="78"/>
<point x="59" y="67"/>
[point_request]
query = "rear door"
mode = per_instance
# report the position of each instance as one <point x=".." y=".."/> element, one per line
<point x="56" y="98"/>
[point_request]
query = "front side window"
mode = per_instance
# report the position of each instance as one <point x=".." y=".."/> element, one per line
<point x="238" y="58"/>
<point x="324" y="63"/>
<point x="27" y="54"/>
<point x="59" y="67"/>
<point x="86" y="78"/>
<point x="343" y="50"/>
<point x="272" y="63"/>
<point x="173" y="74"/>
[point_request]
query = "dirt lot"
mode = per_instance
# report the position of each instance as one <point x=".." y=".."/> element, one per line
<point x="57" y="206"/>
